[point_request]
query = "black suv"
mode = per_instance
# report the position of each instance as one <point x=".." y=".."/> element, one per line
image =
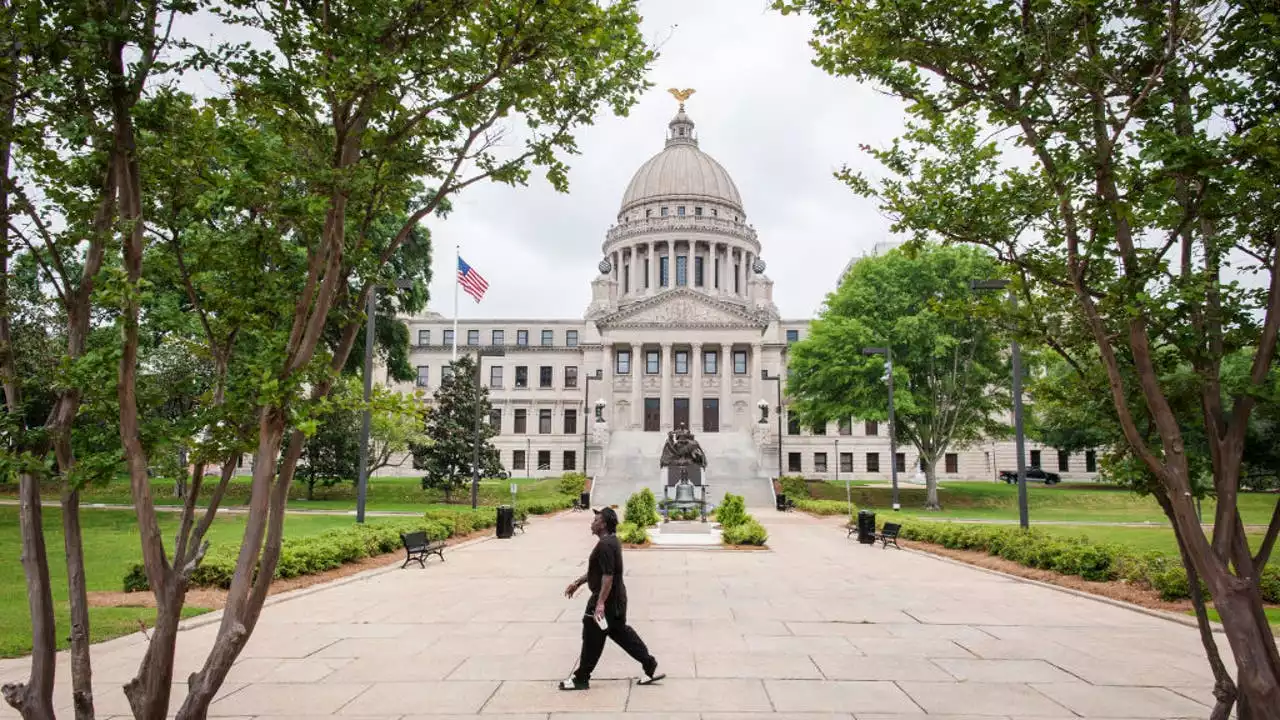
<point x="1034" y="474"/>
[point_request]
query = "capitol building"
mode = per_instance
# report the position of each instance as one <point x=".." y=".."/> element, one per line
<point x="681" y="330"/>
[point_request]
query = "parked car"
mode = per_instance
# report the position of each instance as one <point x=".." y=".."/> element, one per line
<point x="1034" y="474"/>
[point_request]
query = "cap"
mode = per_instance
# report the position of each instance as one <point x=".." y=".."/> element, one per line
<point x="610" y="517"/>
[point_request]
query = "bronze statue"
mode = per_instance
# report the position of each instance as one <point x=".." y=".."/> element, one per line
<point x="682" y="450"/>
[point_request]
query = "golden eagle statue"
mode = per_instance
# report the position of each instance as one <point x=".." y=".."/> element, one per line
<point x="681" y="95"/>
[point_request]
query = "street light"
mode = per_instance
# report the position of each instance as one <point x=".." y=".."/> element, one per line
<point x="848" y="491"/>
<point x="362" y="476"/>
<point x="764" y="375"/>
<point x="481" y="353"/>
<point x="1018" y="435"/>
<point x="586" y="398"/>
<point x="887" y="352"/>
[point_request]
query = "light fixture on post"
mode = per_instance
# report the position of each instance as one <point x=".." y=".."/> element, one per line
<point x="586" y="398"/>
<point x="1019" y="437"/>
<point x="764" y="410"/>
<point x="764" y="375"/>
<point x="481" y="353"/>
<point x="366" y="420"/>
<point x="887" y="352"/>
<point x="600" y="403"/>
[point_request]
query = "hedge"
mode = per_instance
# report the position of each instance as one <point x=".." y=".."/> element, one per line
<point x="1073" y="556"/>
<point x="737" y="527"/>
<point x="795" y="487"/>
<point x="642" y="509"/>
<point x="332" y="548"/>
<point x="633" y="534"/>
<point x="823" y="507"/>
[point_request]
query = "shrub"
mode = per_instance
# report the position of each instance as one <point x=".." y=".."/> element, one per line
<point x="1271" y="584"/>
<point x="572" y="484"/>
<point x="822" y="507"/>
<point x="642" y="509"/>
<point x="136" y="579"/>
<point x="732" y="512"/>
<point x="794" y="486"/>
<point x="748" y="532"/>
<point x="632" y="534"/>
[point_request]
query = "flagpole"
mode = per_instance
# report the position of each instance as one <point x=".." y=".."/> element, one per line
<point x="457" y="262"/>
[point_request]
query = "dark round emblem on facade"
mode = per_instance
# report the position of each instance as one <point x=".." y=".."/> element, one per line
<point x="605" y="266"/>
<point x="758" y="266"/>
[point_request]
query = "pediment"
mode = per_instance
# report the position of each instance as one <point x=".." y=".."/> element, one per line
<point x="683" y="308"/>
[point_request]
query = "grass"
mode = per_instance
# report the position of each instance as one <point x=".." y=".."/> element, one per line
<point x="1273" y="616"/>
<point x="111" y="546"/>
<point x="1158" y="539"/>
<point x="1067" y="502"/>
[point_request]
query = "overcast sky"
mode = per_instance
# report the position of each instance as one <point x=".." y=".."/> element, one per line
<point x="778" y="125"/>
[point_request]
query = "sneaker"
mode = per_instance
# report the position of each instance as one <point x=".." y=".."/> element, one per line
<point x="573" y="684"/>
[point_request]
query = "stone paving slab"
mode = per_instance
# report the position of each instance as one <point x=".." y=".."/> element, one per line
<point x="819" y="628"/>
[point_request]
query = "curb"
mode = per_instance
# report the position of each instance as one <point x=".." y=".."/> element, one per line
<point x="1151" y="612"/>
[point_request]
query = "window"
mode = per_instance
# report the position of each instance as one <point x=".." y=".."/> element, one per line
<point x="697" y="212"/>
<point x="646" y="273"/>
<point x="871" y="427"/>
<point x="522" y="376"/>
<point x="739" y="362"/>
<point x="522" y="337"/>
<point x="901" y="462"/>
<point x="663" y="212"/>
<point x="820" y="429"/>
<point x="570" y="460"/>
<point x="846" y="426"/>
<point x="571" y="376"/>
<point x="952" y="461"/>
<point x="622" y="362"/>
<point x="680" y="210"/>
<point x="682" y="362"/>
<point x="517" y="460"/>
<point x="793" y="336"/>
<point x="544" y="459"/>
<point x="495" y="421"/>
<point x="544" y="376"/>
<point x="548" y="338"/>
<point x="424" y="337"/>
<point x="473" y="337"/>
<point x="1090" y="461"/>
<point x="846" y="462"/>
<point x="652" y="362"/>
<point x="736" y="274"/>
<point x="820" y="462"/>
<point x="715" y="272"/>
<point x="1064" y="461"/>
<point x="520" y="421"/>
<point x="448" y="337"/>
<point x="544" y="421"/>
<point x="793" y="462"/>
<point x="424" y="375"/>
<point x="1035" y="458"/>
<point x="682" y="270"/>
<point x="663" y="268"/>
<point x="495" y="376"/>
<point x="697" y="271"/>
<point x="793" y="424"/>
<point x="571" y="338"/>
<point x="626" y="278"/>
<point x="710" y="360"/>
<point x="873" y="462"/>
<point x="498" y="338"/>
<point x="446" y="374"/>
<point x="571" y="422"/>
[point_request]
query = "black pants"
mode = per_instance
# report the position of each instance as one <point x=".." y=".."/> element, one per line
<point x="622" y="633"/>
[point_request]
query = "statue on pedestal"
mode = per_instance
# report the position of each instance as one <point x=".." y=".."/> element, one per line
<point x="684" y="460"/>
<point x="682" y="450"/>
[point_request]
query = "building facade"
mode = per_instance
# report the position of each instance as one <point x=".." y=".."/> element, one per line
<point x="681" y="330"/>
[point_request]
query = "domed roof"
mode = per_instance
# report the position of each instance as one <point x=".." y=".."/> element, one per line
<point x="681" y="170"/>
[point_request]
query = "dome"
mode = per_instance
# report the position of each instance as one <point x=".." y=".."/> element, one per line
<point x="681" y="171"/>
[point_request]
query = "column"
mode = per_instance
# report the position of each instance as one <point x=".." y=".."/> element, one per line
<point x="637" y="392"/>
<point x="665" y="373"/>
<point x="695" y="393"/>
<point x="726" y="387"/>
<point x="606" y="382"/>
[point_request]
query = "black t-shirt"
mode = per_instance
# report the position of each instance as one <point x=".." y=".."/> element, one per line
<point x="606" y="559"/>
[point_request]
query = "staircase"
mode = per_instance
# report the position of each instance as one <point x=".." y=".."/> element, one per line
<point x="631" y="464"/>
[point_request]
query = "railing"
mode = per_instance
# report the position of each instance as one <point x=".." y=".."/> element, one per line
<point x="644" y="226"/>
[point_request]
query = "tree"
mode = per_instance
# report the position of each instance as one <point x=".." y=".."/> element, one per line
<point x="948" y="360"/>
<point x="1120" y="155"/>
<point x="449" y="456"/>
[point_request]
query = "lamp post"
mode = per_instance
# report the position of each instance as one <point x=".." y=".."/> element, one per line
<point x="1019" y="438"/>
<point x="586" y="408"/>
<point x="362" y="474"/>
<point x="481" y="353"/>
<point x="764" y="375"/>
<point x="848" y="491"/>
<point x="887" y="352"/>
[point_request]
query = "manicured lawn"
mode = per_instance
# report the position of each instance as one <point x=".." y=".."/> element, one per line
<point x="111" y="547"/>
<point x="1072" y="502"/>
<point x="1273" y="617"/>
<point x="1158" y="539"/>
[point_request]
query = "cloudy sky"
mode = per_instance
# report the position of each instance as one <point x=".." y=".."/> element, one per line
<point x="779" y="126"/>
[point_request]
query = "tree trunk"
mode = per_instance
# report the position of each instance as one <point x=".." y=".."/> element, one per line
<point x="34" y="698"/>
<point x="149" y="691"/>
<point x="77" y="591"/>
<point x="1239" y="602"/>
<point x="931" y="483"/>
<point x="180" y="482"/>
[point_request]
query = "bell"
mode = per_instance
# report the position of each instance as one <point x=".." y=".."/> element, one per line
<point x="684" y="494"/>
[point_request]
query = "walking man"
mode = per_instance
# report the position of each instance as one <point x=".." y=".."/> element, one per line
<point x="606" y="613"/>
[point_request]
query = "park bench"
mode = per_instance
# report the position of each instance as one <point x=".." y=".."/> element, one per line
<point x="785" y="504"/>
<point x="417" y="547"/>
<point x="889" y="534"/>
<point x="519" y="522"/>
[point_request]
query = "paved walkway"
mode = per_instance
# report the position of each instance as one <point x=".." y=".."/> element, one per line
<point x="817" y="628"/>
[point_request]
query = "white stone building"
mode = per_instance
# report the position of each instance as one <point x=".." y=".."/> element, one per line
<point x="681" y="330"/>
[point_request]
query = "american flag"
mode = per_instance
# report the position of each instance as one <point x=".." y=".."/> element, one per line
<point x="470" y="280"/>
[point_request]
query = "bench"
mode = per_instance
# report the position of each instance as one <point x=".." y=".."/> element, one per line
<point x="417" y="547"/>
<point x="519" y="522"/>
<point x="785" y="504"/>
<point x="889" y="534"/>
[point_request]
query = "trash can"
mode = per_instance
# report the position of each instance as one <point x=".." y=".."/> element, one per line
<point x="781" y="500"/>
<point x="866" y="527"/>
<point x="506" y="521"/>
<point x="585" y="500"/>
